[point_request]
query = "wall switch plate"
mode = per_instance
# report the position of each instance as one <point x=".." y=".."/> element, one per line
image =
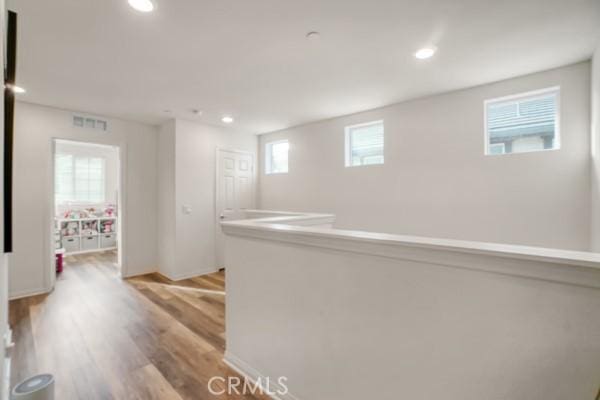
<point x="186" y="209"/>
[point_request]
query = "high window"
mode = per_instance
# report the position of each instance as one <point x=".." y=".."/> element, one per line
<point x="522" y="123"/>
<point x="364" y="144"/>
<point x="276" y="157"/>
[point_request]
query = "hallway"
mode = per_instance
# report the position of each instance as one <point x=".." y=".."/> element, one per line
<point x="104" y="338"/>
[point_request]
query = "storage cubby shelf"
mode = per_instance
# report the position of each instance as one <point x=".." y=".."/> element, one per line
<point x="79" y="242"/>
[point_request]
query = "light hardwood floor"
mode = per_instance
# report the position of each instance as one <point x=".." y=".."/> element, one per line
<point x="106" y="338"/>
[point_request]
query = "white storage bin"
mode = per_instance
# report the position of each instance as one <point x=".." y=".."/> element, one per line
<point x="108" y="240"/>
<point x="89" y="243"/>
<point x="70" y="244"/>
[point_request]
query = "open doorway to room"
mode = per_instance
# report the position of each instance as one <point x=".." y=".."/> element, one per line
<point x="86" y="208"/>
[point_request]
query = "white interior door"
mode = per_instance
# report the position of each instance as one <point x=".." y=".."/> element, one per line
<point x="235" y="191"/>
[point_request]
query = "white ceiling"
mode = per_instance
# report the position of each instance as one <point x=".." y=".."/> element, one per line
<point x="250" y="58"/>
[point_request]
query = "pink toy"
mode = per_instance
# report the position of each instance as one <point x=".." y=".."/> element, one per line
<point x="107" y="226"/>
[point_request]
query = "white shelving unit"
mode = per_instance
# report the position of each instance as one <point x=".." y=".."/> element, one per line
<point x="88" y="234"/>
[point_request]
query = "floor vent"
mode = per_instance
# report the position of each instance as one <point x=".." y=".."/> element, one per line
<point x="89" y="123"/>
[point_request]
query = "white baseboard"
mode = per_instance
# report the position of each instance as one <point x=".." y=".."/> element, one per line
<point x="28" y="293"/>
<point x="188" y="275"/>
<point x="252" y="374"/>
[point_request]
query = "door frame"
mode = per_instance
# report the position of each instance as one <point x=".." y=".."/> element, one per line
<point x="218" y="150"/>
<point x="50" y="276"/>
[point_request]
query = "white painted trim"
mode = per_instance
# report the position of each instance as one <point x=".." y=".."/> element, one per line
<point x="562" y="266"/>
<point x="122" y="214"/>
<point x="253" y="375"/>
<point x="188" y="275"/>
<point x="523" y="95"/>
<point x="50" y="215"/>
<point x="50" y="274"/>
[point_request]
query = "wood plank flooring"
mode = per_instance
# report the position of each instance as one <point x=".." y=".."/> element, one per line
<point x="107" y="338"/>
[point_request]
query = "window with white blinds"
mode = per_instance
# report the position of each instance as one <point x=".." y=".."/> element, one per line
<point x="364" y="144"/>
<point x="523" y="123"/>
<point x="276" y="157"/>
<point x="79" y="179"/>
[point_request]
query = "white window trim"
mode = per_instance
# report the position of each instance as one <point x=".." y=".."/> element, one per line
<point x="524" y="96"/>
<point x="269" y="157"/>
<point x="348" y="143"/>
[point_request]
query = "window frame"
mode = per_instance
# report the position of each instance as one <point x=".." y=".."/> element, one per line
<point x="348" y="143"/>
<point x="269" y="157"/>
<point x="533" y="94"/>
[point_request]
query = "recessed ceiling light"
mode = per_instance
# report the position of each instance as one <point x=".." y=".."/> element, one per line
<point x="142" y="5"/>
<point x="227" y="119"/>
<point x="425" y="53"/>
<point x="16" y="89"/>
<point x="313" y="35"/>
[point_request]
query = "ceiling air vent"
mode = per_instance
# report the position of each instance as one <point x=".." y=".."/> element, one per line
<point x="89" y="123"/>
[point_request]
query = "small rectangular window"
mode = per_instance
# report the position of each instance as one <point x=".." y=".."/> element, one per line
<point x="364" y="144"/>
<point x="78" y="121"/>
<point x="276" y="157"/>
<point x="522" y="123"/>
<point x="101" y="125"/>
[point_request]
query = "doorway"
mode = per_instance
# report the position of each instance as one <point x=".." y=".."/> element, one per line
<point x="235" y="192"/>
<point x="86" y="213"/>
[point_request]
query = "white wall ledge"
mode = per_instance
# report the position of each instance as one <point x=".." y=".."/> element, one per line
<point x="311" y="229"/>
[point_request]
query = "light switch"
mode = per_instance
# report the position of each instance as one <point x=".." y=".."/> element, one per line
<point x="187" y="209"/>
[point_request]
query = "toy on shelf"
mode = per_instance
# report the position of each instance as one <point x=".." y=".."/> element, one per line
<point x="89" y="228"/>
<point x="69" y="228"/>
<point x="107" y="226"/>
<point x="76" y="214"/>
<point x="71" y="214"/>
<point x="109" y="211"/>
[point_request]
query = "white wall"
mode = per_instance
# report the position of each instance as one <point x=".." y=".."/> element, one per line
<point x="192" y="146"/>
<point x="350" y="319"/>
<point x="436" y="180"/>
<point x="595" y="150"/>
<point x="35" y="127"/>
